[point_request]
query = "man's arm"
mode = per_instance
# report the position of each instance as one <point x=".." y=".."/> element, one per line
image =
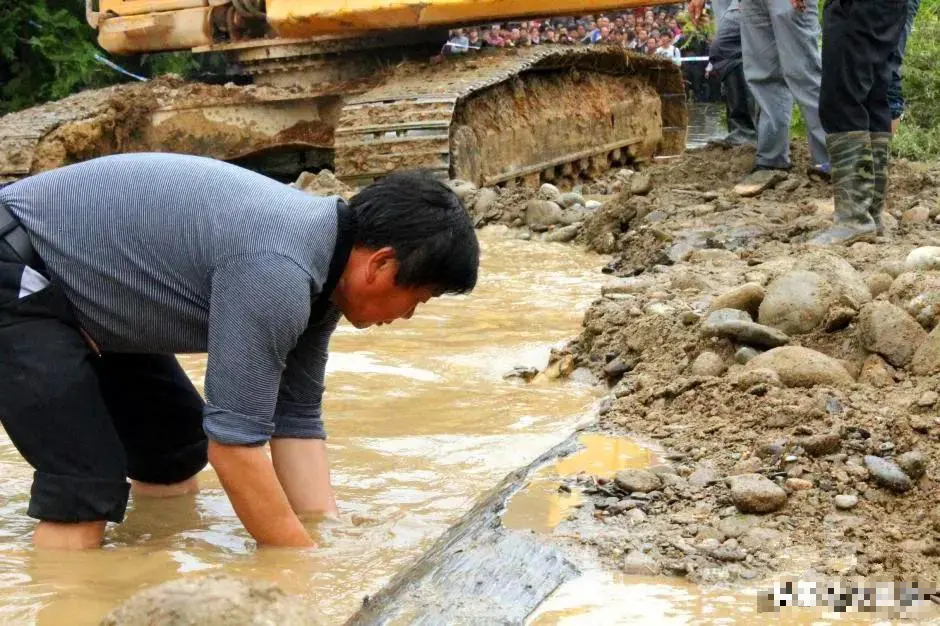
<point x="259" y="306"/>
<point x="304" y="473"/>
<point x="298" y="447"/>
<point x="696" y="7"/>
<point x="249" y="479"/>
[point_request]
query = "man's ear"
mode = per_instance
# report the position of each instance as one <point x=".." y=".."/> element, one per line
<point x="379" y="261"/>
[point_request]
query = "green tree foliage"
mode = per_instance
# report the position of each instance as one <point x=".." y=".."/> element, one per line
<point x="48" y="51"/>
<point x="919" y="136"/>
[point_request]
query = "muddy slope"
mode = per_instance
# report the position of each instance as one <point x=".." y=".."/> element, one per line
<point x="835" y="432"/>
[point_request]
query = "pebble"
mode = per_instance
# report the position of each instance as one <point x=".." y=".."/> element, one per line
<point x="747" y="297"/>
<point x="740" y="328"/>
<point x="486" y="198"/>
<point x="876" y="372"/>
<point x="753" y="493"/>
<point x="918" y="293"/>
<point x="745" y="354"/>
<point x="763" y="539"/>
<point x="641" y="184"/>
<point x="878" y="283"/>
<point x="925" y="258"/>
<point x="798" y="484"/>
<point x="845" y="502"/>
<point x="708" y="364"/>
<point x="729" y="554"/>
<point x="913" y="463"/>
<point x="563" y="234"/>
<point x="618" y="367"/>
<point x="550" y="192"/>
<point x="926" y="361"/>
<point x="570" y="199"/>
<point x="636" y="480"/>
<point x="592" y="205"/>
<point x="889" y="331"/>
<point x="750" y="465"/>
<point x="703" y="476"/>
<point x="737" y="525"/>
<point x="887" y="474"/>
<point x="638" y="564"/>
<point x="916" y="215"/>
<point x="928" y="399"/>
<point x="821" y="445"/>
<point x="801" y="367"/>
<point x="635" y="516"/>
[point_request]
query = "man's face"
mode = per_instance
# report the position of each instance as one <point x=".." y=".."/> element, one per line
<point x="642" y="35"/>
<point x="367" y="293"/>
<point x="516" y="34"/>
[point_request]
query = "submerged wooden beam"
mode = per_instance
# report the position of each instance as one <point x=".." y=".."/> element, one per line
<point x="478" y="571"/>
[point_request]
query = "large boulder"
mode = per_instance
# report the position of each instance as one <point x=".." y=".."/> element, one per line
<point x="213" y="601"/>
<point x="918" y="293"/>
<point x="801" y="367"/>
<point x="889" y="331"/>
<point x="846" y="281"/>
<point x="796" y="302"/>
<point x="543" y="214"/>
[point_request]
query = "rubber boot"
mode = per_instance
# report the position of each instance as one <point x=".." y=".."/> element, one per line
<point x="853" y="181"/>
<point x="880" y="149"/>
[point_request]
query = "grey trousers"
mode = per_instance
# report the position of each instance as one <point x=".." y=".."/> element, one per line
<point x="782" y="64"/>
<point x="718" y="8"/>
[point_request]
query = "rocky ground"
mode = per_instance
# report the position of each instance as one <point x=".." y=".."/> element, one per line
<point x="793" y="389"/>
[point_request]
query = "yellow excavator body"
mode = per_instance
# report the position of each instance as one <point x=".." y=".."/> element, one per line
<point x="361" y="87"/>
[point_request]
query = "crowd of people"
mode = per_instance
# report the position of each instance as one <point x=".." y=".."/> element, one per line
<point x="648" y="31"/>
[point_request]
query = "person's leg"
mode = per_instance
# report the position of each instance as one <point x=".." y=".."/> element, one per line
<point x="764" y="76"/>
<point x="797" y="34"/>
<point x="887" y="23"/>
<point x="725" y="57"/>
<point x="848" y="77"/>
<point x="895" y="91"/>
<point x="158" y="416"/>
<point x="53" y="413"/>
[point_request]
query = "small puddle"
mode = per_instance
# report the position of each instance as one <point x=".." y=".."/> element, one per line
<point x="542" y="504"/>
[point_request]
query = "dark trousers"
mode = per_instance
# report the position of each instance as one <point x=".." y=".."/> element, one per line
<point x="859" y="39"/>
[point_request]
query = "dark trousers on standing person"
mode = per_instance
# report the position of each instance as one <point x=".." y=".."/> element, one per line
<point x="859" y="39"/>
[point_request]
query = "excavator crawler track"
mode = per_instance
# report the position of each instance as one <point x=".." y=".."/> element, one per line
<point x="548" y="113"/>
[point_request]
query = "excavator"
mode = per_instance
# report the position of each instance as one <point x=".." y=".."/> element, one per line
<point x="361" y="87"/>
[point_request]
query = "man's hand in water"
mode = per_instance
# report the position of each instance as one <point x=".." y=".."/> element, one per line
<point x="249" y="479"/>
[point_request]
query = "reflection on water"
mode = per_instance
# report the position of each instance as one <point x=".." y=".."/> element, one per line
<point x="542" y="505"/>
<point x="706" y="122"/>
<point x="421" y="423"/>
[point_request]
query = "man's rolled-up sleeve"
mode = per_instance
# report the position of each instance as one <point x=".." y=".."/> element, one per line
<point x="299" y="412"/>
<point x="259" y="308"/>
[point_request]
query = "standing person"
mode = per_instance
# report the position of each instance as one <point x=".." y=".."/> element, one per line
<point x="101" y="284"/>
<point x="667" y="50"/>
<point x="895" y="92"/>
<point x="779" y="40"/>
<point x="726" y="59"/>
<point x="859" y="41"/>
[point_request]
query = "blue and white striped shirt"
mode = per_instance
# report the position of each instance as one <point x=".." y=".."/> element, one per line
<point x="162" y="253"/>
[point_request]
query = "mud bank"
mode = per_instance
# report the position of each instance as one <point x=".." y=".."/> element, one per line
<point x="793" y="390"/>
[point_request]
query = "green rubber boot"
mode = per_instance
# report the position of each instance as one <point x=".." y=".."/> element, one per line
<point x="853" y="181"/>
<point x="880" y="149"/>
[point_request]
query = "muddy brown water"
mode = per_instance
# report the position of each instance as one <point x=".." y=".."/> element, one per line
<point x="420" y="421"/>
<point x="421" y="425"/>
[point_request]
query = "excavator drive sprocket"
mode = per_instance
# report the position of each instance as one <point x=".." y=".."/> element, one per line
<point x="547" y="113"/>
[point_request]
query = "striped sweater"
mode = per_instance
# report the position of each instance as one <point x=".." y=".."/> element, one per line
<point x="161" y="253"/>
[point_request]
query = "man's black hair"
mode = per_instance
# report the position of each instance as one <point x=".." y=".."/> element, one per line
<point x="423" y="221"/>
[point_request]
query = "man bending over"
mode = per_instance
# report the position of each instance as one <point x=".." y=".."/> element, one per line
<point x="110" y="267"/>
